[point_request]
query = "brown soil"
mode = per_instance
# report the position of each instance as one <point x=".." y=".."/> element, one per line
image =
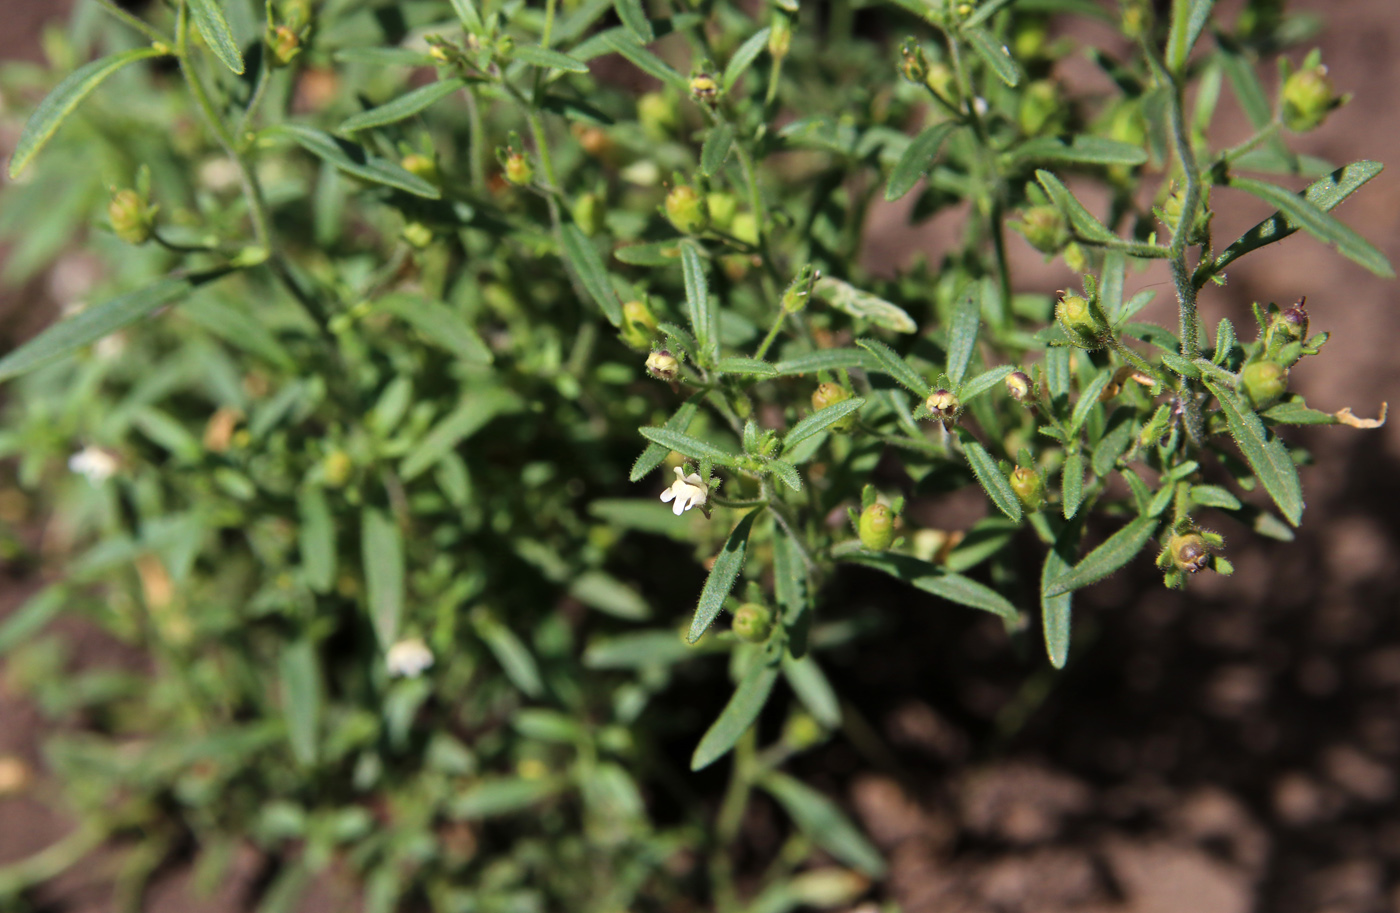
<point x="1229" y="749"/>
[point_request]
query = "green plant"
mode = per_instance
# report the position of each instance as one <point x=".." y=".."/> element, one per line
<point x="350" y="446"/>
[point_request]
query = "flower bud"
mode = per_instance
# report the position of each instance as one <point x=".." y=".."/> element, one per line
<point x="1291" y="324"/>
<point x="1021" y="387"/>
<point x="780" y="35"/>
<point x="876" y="527"/>
<point x="1075" y="258"/>
<point x="829" y="394"/>
<point x="940" y="79"/>
<point x="913" y="64"/>
<point x="1308" y="98"/>
<point x="1040" y="107"/>
<point x="1189" y="552"/>
<point x="519" y="171"/>
<point x="662" y="365"/>
<point x="1028" y="37"/>
<point x="798" y="292"/>
<point x="1077" y="319"/>
<point x="1264" y="382"/>
<point x="752" y="623"/>
<point x="658" y="115"/>
<point x="686" y="210"/>
<point x="636" y="313"/>
<point x="336" y="468"/>
<point x="1044" y="227"/>
<point x="417" y="235"/>
<point x="133" y="220"/>
<point x="722" y="208"/>
<point x="284" y="43"/>
<point x="1030" y="490"/>
<point x="745" y="228"/>
<point x="588" y="213"/>
<point x="704" y="88"/>
<point x="422" y="166"/>
<point x="943" y="406"/>
<point x="1136" y="21"/>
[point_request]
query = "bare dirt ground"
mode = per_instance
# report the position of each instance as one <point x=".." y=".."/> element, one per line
<point x="1234" y="748"/>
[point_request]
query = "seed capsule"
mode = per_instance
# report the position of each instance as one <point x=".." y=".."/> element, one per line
<point x="943" y="406"/>
<point x="1021" y="387"/>
<point x="687" y="210"/>
<point x="1189" y="552"/>
<point x="876" y="527"/>
<point x="752" y="623"/>
<point x="829" y="394"/>
<point x="1077" y="319"/>
<point x="662" y="365"/>
<point x="1264" y="382"/>
<point x="1030" y="491"/>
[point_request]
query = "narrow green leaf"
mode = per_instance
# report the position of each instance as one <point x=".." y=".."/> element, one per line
<point x="939" y="581"/>
<point x="994" y="483"/>
<point x="823" y="823"/>
<point x="824" y="360"/>
<point x="1245" y="81"/>
<point x="634" y="16"/>
<point x="1324" y="194"/>
<point x="1214" y="496"/>
<point x="1081" y="150"/>
<point x="723" y="573"/>
<point x="1055" y="610"/>
<point x="655" y="454"/>
<point x="381" y="550"/>
<point x="1316" y="222"/>
<point x="65" y="97"/>
<point x="752" y="367"/>
<point x="1116" y="551"/>
<point x="27" y="620"/>
<point x="300" y="670"/>
<point x="1072" y="484"/>
<point x="1265" y="453"/>
<point x="515" y="658"/>
<point x="1188" y="18"/>
<point x="716" y="148"/>
<point x="658" y="253"/>
<point x="687" y="445"/>
<point x="850" y="300"/>
<point x="316" y="539"/>
<point x="1057" y="372"/>
<point x="403" y="107"/>
<point x="547" y="59"/>
<point x="1083" y="222"/>
<point x="583" y="259"/>
<point x="212" y="25"/>
<point x="355" y="160"/>
<point x="494" y="797"/>
<point x="994" y="54"/>
<point x="697" y="302"/>
<point x="476" y="409"/>
<point x="821" y="420"/>
<point x="738" y="715"/>
<point x="962" y="335"/>
<point x="744" y="56"/>
<point x="91" y="324"/>
<point x="787" y="472"/>
<point x="383" y="57"/>
<point x="1296" y="412"/>
<point x="645" y="60"/>
<point x="813" y="689"/>
<point x="1115" y="266"/>
<point x="608" y="594"/>
<point x="986" y="11"/>
<point x="439" y="325"/>
<point x="1088" y="399"/>
<point x="896" y="367"/>
<point x="639" y="649"/>
<point x="466" y="12"/>
<point x="917" y="159"/>
<point x="790" y="589"/>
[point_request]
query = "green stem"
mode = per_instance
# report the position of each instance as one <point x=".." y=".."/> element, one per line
<point x="476" y="141"/>
<point x="772" y="335"/>
<point x="259" y="90"/>
<point x="140" y="25"/>
<point x="1265" y="133"/>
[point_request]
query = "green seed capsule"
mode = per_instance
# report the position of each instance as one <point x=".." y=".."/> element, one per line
<point x="1030" y="491"/>
<point x="1189" y="552"/>
<point x="752" y="623"/>
<point x="1077" y="319"/>
<point x="1308" y="98"/>
<point x="1264" y="382"/>
<point x="877" y="527"/>
<point x="943" y="406"/>
<point x="686" y="210"/>
<point x="829" y="394"/>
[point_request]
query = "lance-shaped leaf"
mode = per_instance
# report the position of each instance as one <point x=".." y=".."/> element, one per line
<point x="687" y="445"/>
<point x="784" y="470"/>
<point x="1116" y="551"/>
<point x="752" y="367"/>
<point x="1316" y="222"/>
<point x="813" y="689"/>
<point x="515" y="658"/>
<point x="381" y="550"/>
<point x="403" y="107"/>
<point x="821" y="420"/>
<point x="1266" y="454"/>
<point x="355" y="160"/>
<point x="477" y="408"/>
<point x="716" y="148"/>
<point x="697" y="302"/>
<point x="896" y="367"/>
<point x="984" y="382"/>
<point x="585" y="263"/>
<point x="634" y="16"/>
<point x="823" y="823"/>
<point x="1080" y="219"/>
<point x="962" y="335"/>
<point x="213" y="27"/>
<point x="723" y="573"/>
<point x="1088" y="399"/>
<point x="937" y="580"/>
<point x="744" y="56"/>
<point x="847" y="298"/>
<point x="548" y="59"/>
<point x="1072" y="484"/>
<point x="655" y="454"/>
<point x="316" y="539"/>
<point x="645" y="60"/>
<point x="300" y="670"/>
<point x="1055" y="610"/>
<point x="466" y="12"/>
<point x="738" y="715"/>
<point x="439" y="324"/>
<point x="824" y="360"/>
<point x="990" y="476"/>
<point x="65" y="97"/>
<point x="917" y="159"/>
<point x="1081" y="150"/>
<point x="1188" y="18"/>
<point x="994" y="54"/>
<point x="1324" y="194"/>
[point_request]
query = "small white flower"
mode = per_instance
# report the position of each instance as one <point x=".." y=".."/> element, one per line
<point x="687" y="491"/>
<point x="94" y="463"/>
<point x="409" y="658"/>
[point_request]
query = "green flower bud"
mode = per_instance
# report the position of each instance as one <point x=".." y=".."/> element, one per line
<point x="745" y="228"/>
<point x="417" y="234"/>
<point x="1308" y="98"/>
<point x="1075" y="258"/>
<point x="829" y="394"/>
<point x="1264" y="382"/>
<point x="1189" y="552"/>
<point x="1030" y="490"/>
<point x="943" y="406"/>
<point x="1021" y="387"/>
<point x="1040" y="108"/>
<point x="658" y="115"/>
<point x="941" y="79"/>
<point x="722" y="208"/>
<point x="704" y="88"/>
<point x="638" y="325"/>
<point x="876" y="527"/>
<point x="686" y="210"/>
<point x="296" y="14"/>
<point x="133" y="220"/>
<point x="1077" y="319"/>
<point x="1028" y="38"/>
<point x="284" y="43"/>
<point x="422" y="166"/>
<point x="1136" y="21"/>
<point x="798" y="292"/>
<point x="1044" y="227"/>
<point x="662" y="365"/>
<point x="518" y="169"/>
<point x="802" y="731"/>
<point x="588" y="213"/>
<point x="752" y="622"/>
<point x="336" y="468"/>
<point x="780" y="35"/>
<point x="913" y="63"/>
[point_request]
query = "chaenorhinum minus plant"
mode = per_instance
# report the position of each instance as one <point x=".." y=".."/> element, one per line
<point x="388" y="289"/>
